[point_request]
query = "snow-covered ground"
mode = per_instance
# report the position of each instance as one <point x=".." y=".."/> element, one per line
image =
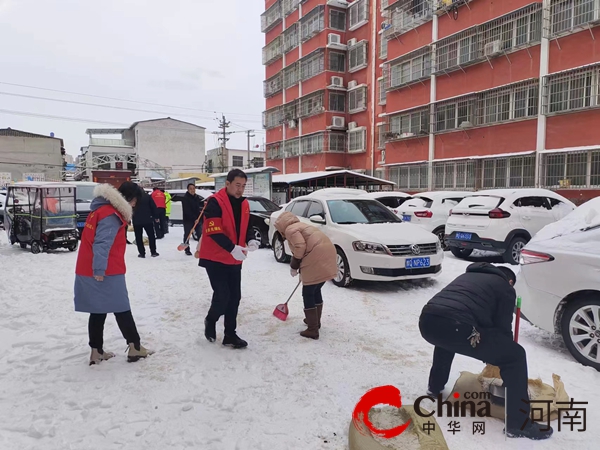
<point x="282" y="392"/>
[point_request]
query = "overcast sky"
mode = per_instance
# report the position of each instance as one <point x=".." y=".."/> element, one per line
<point x="200" y="54"/>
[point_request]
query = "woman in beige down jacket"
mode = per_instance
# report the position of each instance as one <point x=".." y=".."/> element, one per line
<point x="314" y="256"/>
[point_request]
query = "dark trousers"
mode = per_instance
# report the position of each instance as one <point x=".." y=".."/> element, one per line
<point x="226" y="282"/>
<point x="126" y="325"/>
<point x="187" y="228"/>
<point x="160" y="225"/>
<point x="139" y="238"/>
<point x="312" y="295"/>
<point x="450" y="337"/>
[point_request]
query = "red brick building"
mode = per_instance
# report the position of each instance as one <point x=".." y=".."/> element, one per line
<point x="435" y="94"/>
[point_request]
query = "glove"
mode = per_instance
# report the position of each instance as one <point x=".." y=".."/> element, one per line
<point x="253" y="245"/>
<point x="238" y="253"/>
<point x="293" y="272"/>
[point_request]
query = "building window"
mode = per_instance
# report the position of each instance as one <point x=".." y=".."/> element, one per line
<point x="359" y="14"/>
<point x="312" y="144"/>
<point x="450" y="115"/>
<point x="573" y="90"/>
<point x="237" y="161"/>
<point x="337" y="61"/>
<point x="289" y="6"/>
<point x="290" y="38"/>
<point x="409" y="124"/>
<point x="410" y="176"/>
<point x="290" y="110"/>
<point x="337" y="20"/>
<point x="337" y="102"/>
<point x="291" y="76"/>
<point x="357" y="140"/>
<point x="357" y="100"/>
<point x="311" y="104"/>
<point x="409" y="69"/>
<point x="383" y="48"/>
<point x="273" y="51"/>
<point x="358" y="56"/>
<point x="271" y="17"/>
<point x="274" y="150"/>
<point x="273" y="85"/>
<point x="457" y="50"/>
<point x="569" y="15"/>
<point x="382" y="91"/>
<point x="258" y="162"/>
<point x="273" y="117"/>
<point x="407" y="15"/>
<point x="337" y="142"/>
<point x="312" y="65"/>
<point x="292" y="148"/>
<point x="454" y="175"/>
<point x="381" y="131"/>
<point x="578" y="170"/>
<point x="312" y="23"/>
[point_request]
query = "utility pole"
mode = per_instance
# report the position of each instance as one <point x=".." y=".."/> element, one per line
<point x="249" y="136"/>
<point x="223" y="157"/>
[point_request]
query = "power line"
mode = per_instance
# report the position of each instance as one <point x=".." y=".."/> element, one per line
<point x="121" y="99"/>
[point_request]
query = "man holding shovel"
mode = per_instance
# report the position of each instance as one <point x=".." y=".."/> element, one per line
<point x="225" y="242"/>
<point x="472" y="316"/>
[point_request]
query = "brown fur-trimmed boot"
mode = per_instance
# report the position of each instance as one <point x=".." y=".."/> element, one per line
<point x="319" y="313"/>
<point x="312" y="320"/>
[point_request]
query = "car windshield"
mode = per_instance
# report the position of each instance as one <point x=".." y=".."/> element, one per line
<point x="345" y="212"/>
<point x="262" y="205"/>
<point x="85" y="194"/>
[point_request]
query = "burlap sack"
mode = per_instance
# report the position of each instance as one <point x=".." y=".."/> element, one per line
<point x="413" y="438"/>
<point x="538" y="391"/>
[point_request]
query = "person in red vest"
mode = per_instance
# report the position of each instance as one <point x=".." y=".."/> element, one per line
<point x="225" y="242"/>
<point x="161" y="204"/>
<point x="100" y="286"/>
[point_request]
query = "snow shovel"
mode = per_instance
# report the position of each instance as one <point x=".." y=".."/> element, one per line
<point x="281" y="311"/>
<point x="184" y="245"/>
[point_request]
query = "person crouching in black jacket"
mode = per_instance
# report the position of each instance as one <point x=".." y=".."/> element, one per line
<point x="472" y="316"/>
<point x="192" y="205"/>
<point x="145" y="215"/>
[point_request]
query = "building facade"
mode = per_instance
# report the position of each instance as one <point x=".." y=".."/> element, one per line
<point x="469" y="94"/>
<point x="222" y="160"/>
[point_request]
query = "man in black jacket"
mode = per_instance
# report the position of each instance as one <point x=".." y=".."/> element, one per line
<point x="145" y="215"/>
<point x="191" y="204"/>
<point x="472" y="316"/>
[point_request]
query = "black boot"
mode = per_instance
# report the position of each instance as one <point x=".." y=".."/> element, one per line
<point x="210" y="330"/>
<point x="234" y="341"/>
<point x="532" y="430"/>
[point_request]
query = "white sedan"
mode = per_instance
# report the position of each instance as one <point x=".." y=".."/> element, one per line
<point x="559" y="282"/>
<point x="372" y="243"/>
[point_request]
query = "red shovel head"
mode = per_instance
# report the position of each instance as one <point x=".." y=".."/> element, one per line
<point x="281" y="312"/>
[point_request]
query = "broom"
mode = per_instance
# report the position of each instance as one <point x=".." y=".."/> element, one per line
<point x="281" y="311"/>
<point x="181" y="247"/>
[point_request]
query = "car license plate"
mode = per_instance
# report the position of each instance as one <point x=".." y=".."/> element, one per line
<point x="406" y="218"/>
<point x="80" y="224"/>
<point x="463" y="236"/>
<point x="417" y="263"/>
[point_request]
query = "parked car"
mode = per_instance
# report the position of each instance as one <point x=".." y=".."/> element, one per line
<point x="502" y="220"/>
<point x="559" y="283"/>
<point x="2" y="203"/>
<point x="431" y="209"/>
<point x="392" y="199"/>
<point x="84" y="191"/>
<point x="176" y="217"/>
<point x="372" y="242"/>
<point x="260" y="209"/>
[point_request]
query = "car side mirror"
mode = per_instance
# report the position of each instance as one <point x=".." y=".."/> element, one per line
<point x="317" y="219"/>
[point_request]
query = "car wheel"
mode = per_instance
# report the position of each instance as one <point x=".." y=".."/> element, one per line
<point x="279" y="250"/>
<point x="512" y="255"/>
<point x="258" y="236"/>
<point x="342" y="279"/>
<point x="441" y="234"/>
<point x="580" y="326"/>
<point x="461" y="252"/>
<point x="36" y="247"/>
<point x="72" y="247"/>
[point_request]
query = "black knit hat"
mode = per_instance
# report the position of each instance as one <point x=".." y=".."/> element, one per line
<point x="508" y="273"/>
<point x="130" y="190"/>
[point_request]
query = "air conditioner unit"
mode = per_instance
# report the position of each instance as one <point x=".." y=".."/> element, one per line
<point x="337" y="81"/>
<point x="338" y="122"/>
<point x="407" y="135"/>
<point x="351" y="42"/>
<point x="351" y="125"/>
<point x="334" y="39"/>
<point x="292" y="124"/>
<point x="465" y="124"/>
<point x="352" y="84"/>
<point x="492" y="48"/>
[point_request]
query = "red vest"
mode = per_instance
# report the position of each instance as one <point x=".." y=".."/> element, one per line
<point x="160" y="199"/>
<point x="116" y="256"/>
<point x="212" y="251"/>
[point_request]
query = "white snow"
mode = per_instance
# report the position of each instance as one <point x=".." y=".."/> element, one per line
<point x="282" y="392"/>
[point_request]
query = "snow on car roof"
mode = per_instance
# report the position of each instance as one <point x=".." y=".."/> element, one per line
<point x="379" y="194"/>
<point x="511" y="191"/>
<point x="338" y="192"/>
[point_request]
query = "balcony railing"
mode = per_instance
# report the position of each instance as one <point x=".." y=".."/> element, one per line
<point x="271" y="17"/>
<point x="408" y="14"/>
<point x="569" y="16"/>
<point x="111" y="142"/>
<point x="273" y="51"/>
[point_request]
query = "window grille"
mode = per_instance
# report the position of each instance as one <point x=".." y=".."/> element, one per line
<point x="290" y="110"/>
<point x="410" y="176"/>
<point x="312" y="23"/>
<point x="410" y="68"/>
<point x="271" y="17"/>
<point x="337" y="20"/>
<point x="357" y="140"/>
<point x="273" y="51"/>
<point x="357" y="56"/>
<point x="381" y="131"/>
<point x="454" y="175"/>
<point x="291" y="75"/>
<point x="337" y="102"/>
<point x="273" y="85"/>
<point x="311" y="104"/>
<point x="572" y="90"/>
<point x="291" y="147"/>
<point x="274" y="150"/>
<point x="290" y="38"/>
<point x="409" y="14"/>
<point x="312" y="65"/>
<point x="337" y="61"/>
<point x="312" y="144"/>
<point x="289" y="6"/>
<point x="579" y="170"/>
<point x="383" y="47"/>
<point x="409" y="124"/>
<point x="568" y="16"/>
<point x="273" y="117"/>
<point x="359" y="14"/>
<point x="357" y="100"/>
<point x="382" y="91"/>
